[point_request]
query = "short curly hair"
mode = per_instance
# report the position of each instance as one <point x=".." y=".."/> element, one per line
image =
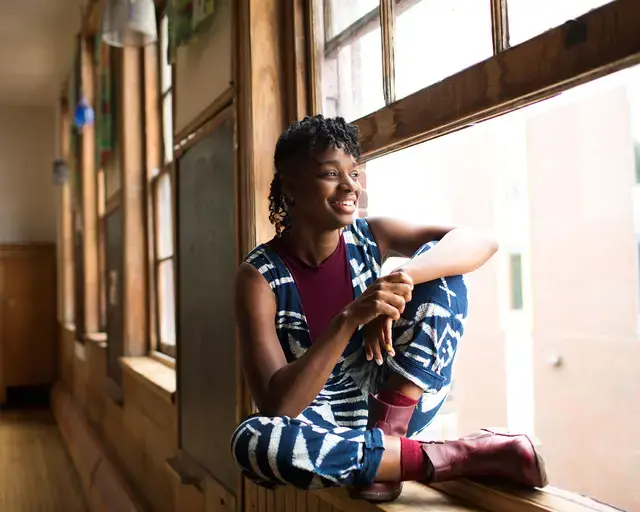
<point x="300" y="142"/>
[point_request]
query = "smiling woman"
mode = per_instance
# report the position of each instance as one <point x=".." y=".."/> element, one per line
<point x="355" y="364"/>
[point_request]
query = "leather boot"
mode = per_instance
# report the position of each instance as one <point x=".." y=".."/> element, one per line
<point x="487" y="454"/>
<point x="392" y="420"/>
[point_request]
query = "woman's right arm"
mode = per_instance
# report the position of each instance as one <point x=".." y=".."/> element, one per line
<point x="286" y="389"/>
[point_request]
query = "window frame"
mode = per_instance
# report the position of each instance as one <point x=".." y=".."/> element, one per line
<point x="496" y="86"/>
<point x="157" y="168"/>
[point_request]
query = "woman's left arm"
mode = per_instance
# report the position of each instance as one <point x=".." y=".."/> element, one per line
<point x="459" y="250"/>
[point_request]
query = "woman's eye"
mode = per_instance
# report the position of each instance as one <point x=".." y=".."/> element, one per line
<point x="355" y="175"/>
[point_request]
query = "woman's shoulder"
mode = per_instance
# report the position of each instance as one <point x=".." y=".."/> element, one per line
<point x="359" y="232"/>
<point x="258" y="256"/>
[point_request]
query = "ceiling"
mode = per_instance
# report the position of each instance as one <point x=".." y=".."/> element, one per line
<point x="36" y="49"/>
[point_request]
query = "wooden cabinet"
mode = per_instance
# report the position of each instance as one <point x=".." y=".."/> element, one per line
<point x="27" y="315"/>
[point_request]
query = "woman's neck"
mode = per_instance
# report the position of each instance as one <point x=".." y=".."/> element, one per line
<point x="311" y="246"/>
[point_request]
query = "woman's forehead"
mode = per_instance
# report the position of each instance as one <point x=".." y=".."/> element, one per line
<point x="335" y="156"/>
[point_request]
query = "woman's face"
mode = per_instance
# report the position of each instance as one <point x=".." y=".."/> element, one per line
<point x="325" y="192"/>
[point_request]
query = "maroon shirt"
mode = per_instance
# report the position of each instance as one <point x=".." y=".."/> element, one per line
<point x="324" y="290"/>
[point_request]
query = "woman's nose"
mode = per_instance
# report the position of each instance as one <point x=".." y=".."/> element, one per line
<point x="348" y="182"/>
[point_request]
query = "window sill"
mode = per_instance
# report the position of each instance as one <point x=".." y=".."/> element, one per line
<point x="467" y="496"/>
<point x="415" y="497"/>
<point x="99" y="338"/>
<point x="505" y="498"/>
<point x="153" y="374"/>
<point x="69" y="326"/>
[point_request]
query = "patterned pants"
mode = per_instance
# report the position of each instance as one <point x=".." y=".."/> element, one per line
<point x="328" y="443"/>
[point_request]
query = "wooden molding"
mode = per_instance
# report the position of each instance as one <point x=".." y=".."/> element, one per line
<point x="499" y="26"/>
<point x="296" y="73"/>
<point x="89" y="198"/>
<point x="388" y="28"/>
<point x="604" y="40"/>
<point x="105" y="488"/>
<point x="183" y="138"/>
<point x="134" y="283"/>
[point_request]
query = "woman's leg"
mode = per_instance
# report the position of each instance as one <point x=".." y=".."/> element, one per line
<point x="286" y="451"/>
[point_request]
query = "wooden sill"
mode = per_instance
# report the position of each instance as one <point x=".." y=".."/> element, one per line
<point x="465" y="496"/>
<point x="504" y="498"/>
<point x="163" y="358"/>
<point x="153" y="374"/>
<point x="99" y="338"/>
<point x="415" y="497"/>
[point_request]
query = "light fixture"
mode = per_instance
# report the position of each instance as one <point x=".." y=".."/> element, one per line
<point x="129" y="23"/>
<point x="60" y="171"/>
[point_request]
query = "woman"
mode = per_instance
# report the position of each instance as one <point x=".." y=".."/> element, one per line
<point x="346" y="366"/>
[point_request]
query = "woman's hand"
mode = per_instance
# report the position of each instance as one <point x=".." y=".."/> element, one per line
<point x="386" y="297"/>
<point x="377" y="339"/>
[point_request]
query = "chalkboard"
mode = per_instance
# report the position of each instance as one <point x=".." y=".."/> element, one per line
<point x="206" y="263"/>
<point x="115" y="347"/>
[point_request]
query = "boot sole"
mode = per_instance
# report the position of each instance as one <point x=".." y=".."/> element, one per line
<point x="375" y="497"/>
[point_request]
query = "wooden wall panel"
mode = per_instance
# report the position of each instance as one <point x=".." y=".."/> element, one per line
<point x="205" y="275"/>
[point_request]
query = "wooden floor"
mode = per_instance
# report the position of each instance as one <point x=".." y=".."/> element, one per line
<point x="36" y="472"/>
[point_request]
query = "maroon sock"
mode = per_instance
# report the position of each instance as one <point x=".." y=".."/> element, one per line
<point x="395" y="398"/>
<point x="414" y="463"/>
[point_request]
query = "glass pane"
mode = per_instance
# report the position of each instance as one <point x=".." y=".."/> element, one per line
<point x="437" y="38"/>
<point x="165" y="67"/>
<point x="166" y="303"/>
<point x="516" y="281"/>
<point x="164" y="219"/>
<point x="528" y="19"/>
<point x="167" y="127"/>
<point x="341" y="14"/>
<point x="555" y="183"/>
<point x="352" y="74"/>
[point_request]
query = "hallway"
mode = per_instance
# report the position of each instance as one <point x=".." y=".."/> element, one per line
<point x="36" y="472"/>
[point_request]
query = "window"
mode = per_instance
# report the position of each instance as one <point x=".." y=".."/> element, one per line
<point x="636" y="155"/>
<point x="515" y="267"/>
<point x="351" y="60"/>
<point x="102" y="250"/>
<point x="162" y="221"/>
<point x="547" y="375"/>
<point x="528" y="19"/>
<point x="362" y="69"/>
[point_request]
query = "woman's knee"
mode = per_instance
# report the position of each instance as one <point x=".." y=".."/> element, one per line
<point x="244" y="440"/>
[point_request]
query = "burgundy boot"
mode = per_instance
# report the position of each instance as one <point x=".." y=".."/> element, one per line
<point x="392" y="420"/>
<point x="487" y="454"/>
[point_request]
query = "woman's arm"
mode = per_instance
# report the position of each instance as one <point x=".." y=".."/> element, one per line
<point x="459" y="251"/>
<point x="286" y="389"/>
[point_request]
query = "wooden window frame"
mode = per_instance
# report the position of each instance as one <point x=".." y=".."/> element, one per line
<point x="157" y="168"/>
<point x="594" y="45"/>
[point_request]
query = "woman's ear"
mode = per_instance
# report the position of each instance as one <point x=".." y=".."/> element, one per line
<point x="285" y="185"/>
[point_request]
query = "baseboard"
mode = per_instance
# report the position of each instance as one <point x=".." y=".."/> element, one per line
<point x="104" y="487"/>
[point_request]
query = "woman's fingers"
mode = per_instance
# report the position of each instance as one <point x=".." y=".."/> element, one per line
<point x="388" y="340"/>
<point x="367" y="350"/>
<point x="377" y="354"/>
<point x="402" y="289"/>
<point x="399" y="277"/>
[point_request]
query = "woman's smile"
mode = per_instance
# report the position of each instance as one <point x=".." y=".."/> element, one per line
<point x="345" y="206"/>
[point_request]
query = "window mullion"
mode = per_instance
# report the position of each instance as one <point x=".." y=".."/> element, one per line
<point x="499" y="25"/>
<point x="388" y="24"/>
